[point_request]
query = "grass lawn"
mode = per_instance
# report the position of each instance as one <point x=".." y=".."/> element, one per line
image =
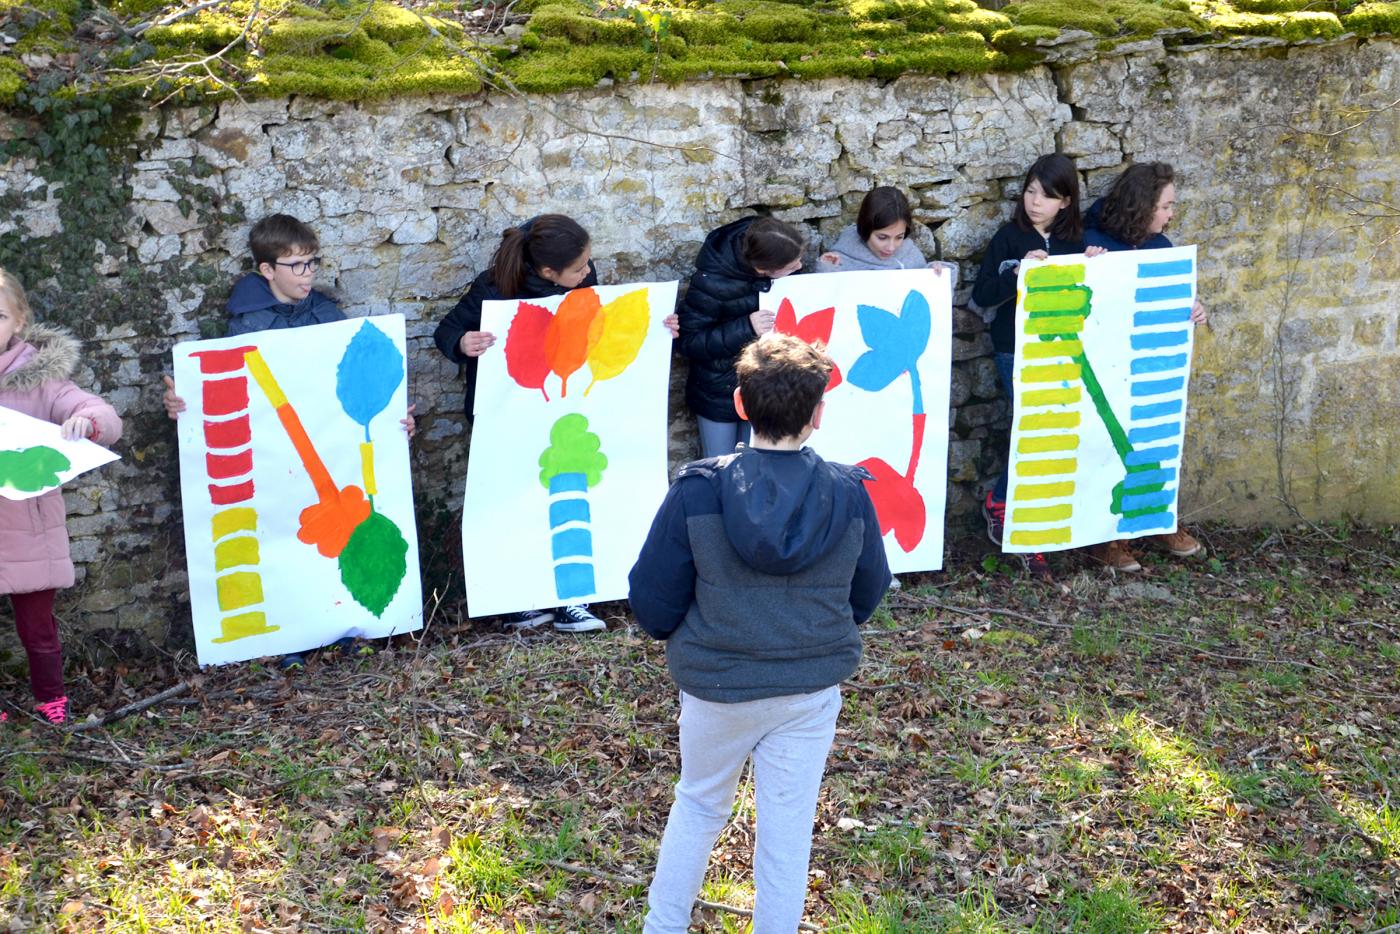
<point x="1208" y="746"/>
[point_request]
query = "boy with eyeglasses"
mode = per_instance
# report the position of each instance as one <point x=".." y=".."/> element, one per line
<point x="278" y="294"/>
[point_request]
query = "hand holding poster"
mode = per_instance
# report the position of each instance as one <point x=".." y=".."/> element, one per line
<point x="1103" y="358"/>
<point x="890" y="334"/>
<point x="568" y="453"/>
<point x="36" y="458"/>
<point x="294" y="477"/>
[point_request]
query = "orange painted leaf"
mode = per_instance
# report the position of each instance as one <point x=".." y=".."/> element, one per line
<point x="329" y="523"/>
<point x="573" y="332"/>
<point x="526" y="361"/>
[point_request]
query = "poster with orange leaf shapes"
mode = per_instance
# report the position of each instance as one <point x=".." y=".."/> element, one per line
<point x="568" y="455"/>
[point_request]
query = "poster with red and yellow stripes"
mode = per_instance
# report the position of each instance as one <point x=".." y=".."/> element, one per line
<point x="294" y="475"/>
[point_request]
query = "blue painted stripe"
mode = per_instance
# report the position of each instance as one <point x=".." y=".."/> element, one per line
<point x="1158" y="364"/>
<point x="574" y="580"/>
<point x="568" y="483"/>
<point x="572" y="543"/>
<point x="1143" y="523"/>
<point x="1158" y="387"/>
<point x="1161" y="293"/>
<point x="1154" y="432"/>
<point x="1142" y="413"/>
<point x="1151" y="340"/>
<point x="1152" y="455"/>
<point x="1176" y="267"/>
<point x="1146" y="478"/>
<point x="1145" y="319"/>
<point x="1146" y="500"/>
<point x="568" y="510"/>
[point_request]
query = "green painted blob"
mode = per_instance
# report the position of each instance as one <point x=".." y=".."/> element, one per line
<point x="573" y="449"/>
<point x="374" y="563"/>
<point x="30" y="470"/>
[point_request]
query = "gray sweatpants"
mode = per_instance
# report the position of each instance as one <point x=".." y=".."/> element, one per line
<point x="789" y="738"/>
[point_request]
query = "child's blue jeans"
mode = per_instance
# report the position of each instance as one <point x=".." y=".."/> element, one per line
<point x="789" y="738"/>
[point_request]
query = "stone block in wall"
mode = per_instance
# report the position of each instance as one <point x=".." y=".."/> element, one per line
<point x="979" y="415"/>
<point x="984" y="381"/>
<point x="963" y="458"/>
<point x="417" y="228"/>
<point x="1090" y="145"/>
<point x="979" y="345"/>
<point x="165" y="217"/>
<point x="960" y="387"/>
<point x="253" y="113"/>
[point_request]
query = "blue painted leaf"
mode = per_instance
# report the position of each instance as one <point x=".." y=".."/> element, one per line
<point x="895" y="343"/>
<point x="368" y="374"/>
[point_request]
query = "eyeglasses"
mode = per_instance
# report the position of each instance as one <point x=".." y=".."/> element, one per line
<point x="301" y="267"/>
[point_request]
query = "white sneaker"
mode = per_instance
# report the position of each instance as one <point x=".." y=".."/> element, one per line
<point x="577" y="619"/>
<point x="528" y="619"/>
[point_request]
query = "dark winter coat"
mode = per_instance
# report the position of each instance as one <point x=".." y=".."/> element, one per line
<point x="466" y="316"/>
<point x="714" y="320"/>
<point x="757" y="569"/>
<point x="253" y="307"/>
<point x="996" y="280"/>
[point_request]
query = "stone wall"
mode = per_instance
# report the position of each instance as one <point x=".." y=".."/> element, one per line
<point x="1281" y="152"/>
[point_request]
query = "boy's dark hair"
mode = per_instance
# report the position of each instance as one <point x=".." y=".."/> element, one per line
<point x="279" y="235"/>
<point x="882" y="207"/>
<point x="770" y="244"/>
<point x="552" y="241"/>
<point x="1130" y="203"/>
<point x="781" y="380"/>
<point x="1059" y="179"/>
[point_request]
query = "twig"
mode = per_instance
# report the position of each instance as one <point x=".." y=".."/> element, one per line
<point x="177" y="15"/>
<point x="633" y="880"/>
<point x="174" y="691"/>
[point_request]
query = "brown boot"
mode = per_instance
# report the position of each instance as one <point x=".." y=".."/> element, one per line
<point x="1180" y="543"/>
<point x="1116" y="555"/>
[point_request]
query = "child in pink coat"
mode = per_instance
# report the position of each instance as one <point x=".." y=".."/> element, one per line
<point x="36" y="364"/>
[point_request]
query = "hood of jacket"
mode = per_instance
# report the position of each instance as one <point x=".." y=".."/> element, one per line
<point x="780" y="508"/>
<point x="722" y="254"/>
<point x="41" y="354"/>
<point x="856" y="255"/>
<point x="252" y="293"/>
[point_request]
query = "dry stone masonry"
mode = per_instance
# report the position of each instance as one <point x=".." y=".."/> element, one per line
<point x="1281" y="152"/>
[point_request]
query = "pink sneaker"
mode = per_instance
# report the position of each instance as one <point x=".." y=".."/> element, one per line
<point x="54" y="711"/>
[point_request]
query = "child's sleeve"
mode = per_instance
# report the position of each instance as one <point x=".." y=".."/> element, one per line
<point x="994" y="283"/>
<point x="662" y="582"/>
<point x="872" y="577"/>
<point x="714" y="325"/>
<point x="70" y="401"/>
<point x="465" y="316"/>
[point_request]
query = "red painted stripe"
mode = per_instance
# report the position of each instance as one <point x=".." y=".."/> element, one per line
<point x="221" y="361"/>
<point x="225" y="396"/>
<point x="228" y="466"/>
<point x="228" y="495"/>
<point x="233" y="433"/>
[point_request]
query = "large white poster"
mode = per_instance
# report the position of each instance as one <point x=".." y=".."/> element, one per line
<point x="890" y="334"/>
<point x="294" y="477"/>
<point x="35" y="457"/>
<point x="568" y="450"/>
<point x="1103" y="358"/>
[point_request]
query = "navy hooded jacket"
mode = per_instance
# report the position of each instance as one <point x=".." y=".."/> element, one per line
<point x="1094" y="235"/>
<point x="757" y="569"/>
<point x="253" y="307"/>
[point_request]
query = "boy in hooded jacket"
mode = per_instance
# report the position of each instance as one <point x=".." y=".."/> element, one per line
<point x="757" y="570"/>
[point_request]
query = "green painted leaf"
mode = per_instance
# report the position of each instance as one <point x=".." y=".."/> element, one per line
<point x="373" y="563"/>
<point x="30" y="470"/>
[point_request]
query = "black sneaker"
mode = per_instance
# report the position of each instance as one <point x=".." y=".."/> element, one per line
<point x="528" y="619"/>
<point x="292" y="661"/>
<point x="577" y="619"/>
<point x="995" y="514"/>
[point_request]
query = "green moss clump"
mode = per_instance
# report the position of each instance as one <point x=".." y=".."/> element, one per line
<point x="1372" y="18"/>
<point x="1293" y="27"/>
<point x="1022" y="37"/>
<point x="208" y="34"/>
<point x="566" y="22"/>
<point x="1274" y="6"/>
<point x="11" y="79"/>
<point x="1108" y="18"/>
<point x="793" y="25"/>
<point x="704" y="28"/>
<point x="985" y="22"/>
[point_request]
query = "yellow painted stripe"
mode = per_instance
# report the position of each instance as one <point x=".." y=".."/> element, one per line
<point x="1049" y="277"/>
<point x="237" y="519"/>
<point x="257" y="366"/>
<point x="239" y="589"/>
<point x="1056" y="324"/>
<point x="1041" y="350"/>
<point x="1056" y="513"/>
<point x="233" y="552"/>
<point x="1067" y="396"/>
<point x="1058" y="490"/>
<point x="367" y="466"/>
<point x="1061" y="300"/>
<point x="1050" y="373"/>
<point x="1058" y="536"/>
<point x="1047" y="468"/>
<point x="242" y="626"/>
<point x="1039" y="421"/>
<point x="1040" y="444"/>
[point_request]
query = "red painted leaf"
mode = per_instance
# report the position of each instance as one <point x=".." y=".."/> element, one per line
<point x="812" y="328"/>
<point x="898" y="504"/>
<point x="525" y="357"/>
